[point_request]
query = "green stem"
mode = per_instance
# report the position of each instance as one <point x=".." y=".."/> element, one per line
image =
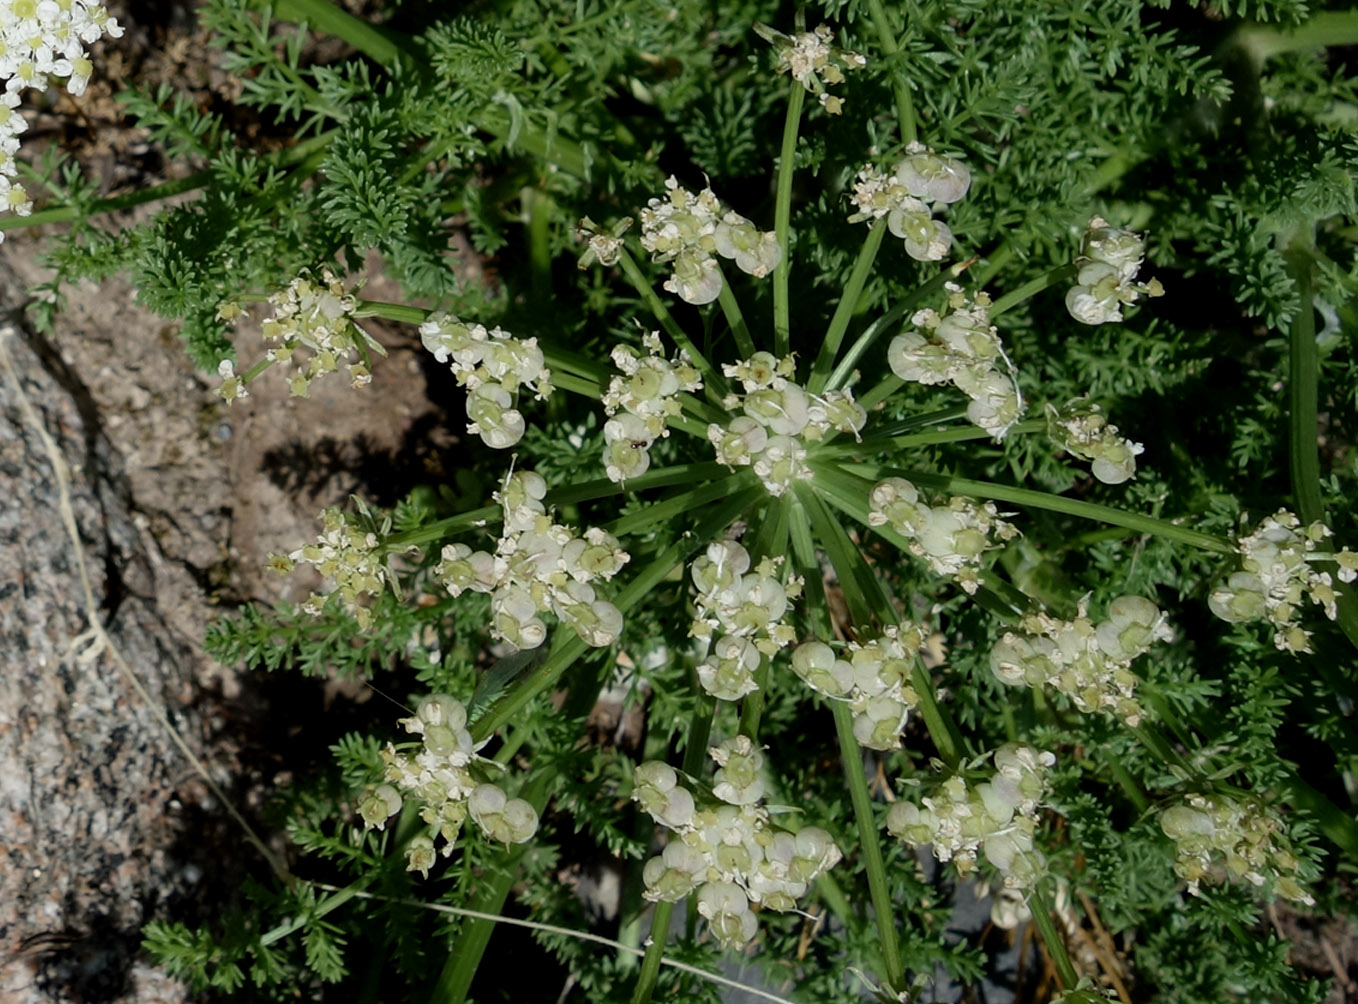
<point x="869" y="846"/>
<point x="711" y="376"/>
<point x="1041" y="908"/>
<point x="877" y="444"/>
<point x="1304" y="418"/>
<point x="655" y="951"/>
<point x="735" y="319"/>
<point x="1056" y="276"/>
<point x="681" y="502"/>
<point x="455" y="979"/>
<point x="1325" y="28"/>
<point x="1305" y="373"/>
<point x="782" y="221"/>
<point x="62" y="214"/>
<point x="848" y="306"/>
<point x="328" y="19"/>
<point x="942" y="729"/>
<point x="886" y="39"/>
<point x="884" y="323"/>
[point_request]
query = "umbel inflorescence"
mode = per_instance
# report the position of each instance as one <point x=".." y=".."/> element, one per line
<point x="770" y="417"/>
<point x="728" y="851"/>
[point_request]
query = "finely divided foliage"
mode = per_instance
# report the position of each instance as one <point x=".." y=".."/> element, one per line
<point x="859" y="507"/>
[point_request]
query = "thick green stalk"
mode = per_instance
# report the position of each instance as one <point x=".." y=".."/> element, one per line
<point x="1303" y="419"/>
<point x="869" y="846"/>
<point x="848" y="305"/>
<point x="1053" y="277"/>
<point x="455" y="979"/>
<point x="655" y="951"/>
<point x="782" y="221"/>
<point x="940" y="725"/>
<point x="1041" y="908"/>
<point x="1325" y="28"/>
<point x="1304" y="454"/>
<point x="735" y="319"/>
<point x="325" y="17"/>
<point x="886" y="38"/>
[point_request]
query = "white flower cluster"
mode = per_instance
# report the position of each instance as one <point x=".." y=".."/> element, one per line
<point x="539" y="566"/>
<point x="727" y="851"/>
<point x="690" y="230"/>
<point x="647" y="394"/>
<point x="951" y="538"/>
<point x="41" y="39"/>
<point x="813" y="61"/>
<point x="1089" y="663"/>
<point x="780" y="419"/>
<point x="312" y="317"/>
<point x="1106" y="278"/>
<point x="492" y="365"/>
<point x="1084" y="432"/>
<point x="874" y="679"/>
<point x="1276" y="574"/>
<point x="908" y="198"/>
<point x="439" y="775"/>
<point x="1241" y="834"/>
<point x="962" y="348"/>
<point x="998" y="816"/>
<point x="346" y="553"/>
<point x="743" y="610"/>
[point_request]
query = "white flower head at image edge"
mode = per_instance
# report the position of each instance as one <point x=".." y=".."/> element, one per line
<point x="40" y="41"/>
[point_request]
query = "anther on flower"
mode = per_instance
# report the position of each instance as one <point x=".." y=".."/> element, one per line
<point x="1107" y="265"/>
<point x="690" y="230"/>
<point x="951" y="538"/>
<point x="538" y="567"/>
<point x="1217" y="838"/>
<point x="963" y="348"/>
<point x="997" y="817"/>
<point x="1084" y="432"/>
<point x="493" y="366"/>
<point x="1090" y="663"/>
<point x="812" y="61"/>
<point x="1277" y="573"/>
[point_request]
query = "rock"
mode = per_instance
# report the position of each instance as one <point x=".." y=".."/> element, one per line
<point x="88" y="799"/>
